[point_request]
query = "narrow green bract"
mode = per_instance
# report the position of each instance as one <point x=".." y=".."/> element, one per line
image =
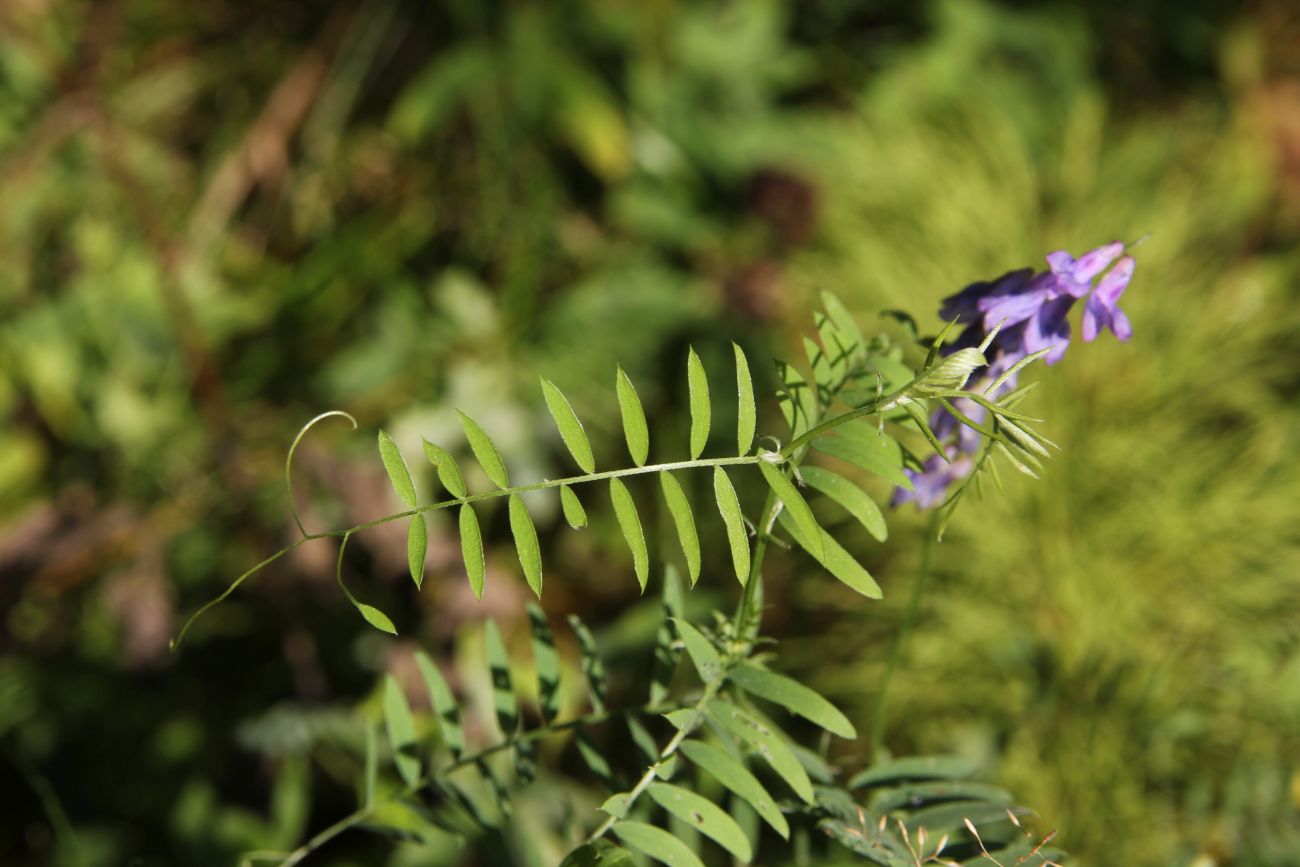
<point x="570" y="427"/>
<point x="746" y="412"/>
<point x="398" y="473"/>
<point x="471" y="549"/>
<point x="698" y="384"/>
<point x="485" y="451"/>
<point x="630" y="523"/>
<point x="530" y="553"/>
<point x="729" y="506"/>
<point x="684" y="520"/>
<point x="634" y="425"/>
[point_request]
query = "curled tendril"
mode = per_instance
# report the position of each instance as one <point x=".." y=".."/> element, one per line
<point x="288" y="461"/>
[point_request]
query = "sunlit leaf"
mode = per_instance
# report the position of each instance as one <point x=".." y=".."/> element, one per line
<point x="574" y="513"/>
<point x="443" y="703"/>
<point x="448" y="471"/>
<point x="794" y="697"/>
<point x="843" y="319"/>
<point x="797" y="399"/>
<point x="729" y="507"/>
<point x="547" y="662"/>
<point x="701" y="409"/>
<point x="679" y="507"/>
<point x="834" y="559"/>
<point x="401" y="731"/>
<point x="485" y="451"/>
<point x="848" y="495"/>
<point x="795" y="506"/>
<point x="417" y="545"/>
<point x="703" y="815"/>
<point x="739" y="780"/>
<point x="657" y="843"/>
<point x="630" y="523"/>
<point x="525" y="534"/>
<point x="766" y="742"/>
<point x="376" y="618"/>
<point x="398" y="473"/>
<point x="471" y="549"/>
<point x="570" y="428"/>
<point x="746" y="412"/>
<point x="865" y="446"/>
<point x="634" y="424"/>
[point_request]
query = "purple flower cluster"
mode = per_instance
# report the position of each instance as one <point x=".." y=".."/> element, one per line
<point x="1030" y="311"/>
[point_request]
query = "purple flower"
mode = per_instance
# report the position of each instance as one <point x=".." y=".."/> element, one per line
<point x="970" y="304"/>
<point x="930" y="485"/>
<point x="1075" y="276"/>
<point x="1102" y="310"/>
<point x="1050" y="327"/>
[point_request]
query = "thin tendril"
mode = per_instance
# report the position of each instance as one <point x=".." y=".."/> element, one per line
<point x="288" y="461"/>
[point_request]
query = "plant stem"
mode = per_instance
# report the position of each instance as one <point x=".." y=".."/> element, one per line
<point x="904" y="630"/>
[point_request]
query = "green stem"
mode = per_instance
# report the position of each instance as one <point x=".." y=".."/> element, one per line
<point x="905" y="629"/>
<point x="835" y="421"/>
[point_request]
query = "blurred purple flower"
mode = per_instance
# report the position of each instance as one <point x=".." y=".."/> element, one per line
<point x="1102" y="310"/>
<point x="930" y="484"/>
<point x="1075" y="276"/>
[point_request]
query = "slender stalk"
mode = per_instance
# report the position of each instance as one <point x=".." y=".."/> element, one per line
<point x="904" y="630"/>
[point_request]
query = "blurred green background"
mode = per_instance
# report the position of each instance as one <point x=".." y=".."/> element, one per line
<point x="218" y="219"/>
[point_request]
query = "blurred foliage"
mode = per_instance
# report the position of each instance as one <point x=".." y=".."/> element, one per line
<point x="220" y="219"/>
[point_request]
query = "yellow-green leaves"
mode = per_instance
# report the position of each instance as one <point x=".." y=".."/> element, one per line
<point x="746" y="412"/>
<point x="634" y="425"/>
<point x="401" y="731"/>
<point x="572" y="507"/>
<point x="684" y="519"/>
<point x="729" y="507"/>
<point x="417" y="545"/>
<point x="375" y="617"/>
<point x="398" y="473"/>
<point x="471" y="548"/>
<point x="867" y="447"/>
<point x="852" y="498"/>
<point x="704" y="816"/>
<point x="739" y="780"/>
<point x="448" y="472"/>
<point x="698" y="385"/>
<point x="485" y="451"/>
<point x="630" y="523"/>
<point x="794" y="697"/>
<point x="570" y="428"/>
<point x="795" y="505"/>
<point x="832" y="556"/>
<point x="530" y="552"/>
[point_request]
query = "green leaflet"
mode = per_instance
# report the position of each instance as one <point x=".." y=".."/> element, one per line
<point x="698" y="385"/>
<point x="443" y="703"/>
<point x="701" y="650"/>
<point x="820" y="363"/>
<point x="746" y="412"/>
<point x="375" y="617"/>
<point x="793" y="696"/>
<point x="915" y="768"/>
<point x="843" y="319"/>
<point x="503" y="695"/>
<point x="471" y="548"/>
<point x="592" y="666"/>
<point x="630" y="523"/>
<point x="835" y="559"/>
<point x="739" y="780"/>
<point x="766" y="742"/>
<point x="797" y="399"/>
<point x="838" y="348"/>
<point x="848" y="495"/>
<point x="729" y="506"/>
<point x="485" y="451"/>
<point x="547" y="662"/>
<point x="448" y="472"/>
<point x="864" y="446"/>
<point x="656" y="843"/>
<point x="684" y="520"/>
<point x="417" y="545"/>
<point x="634" y="426"/>
<point x="572" y="507"/>
<point x="595" y="760"/>
<point x="570" y="428"/>
<point x="401" y="731"/>
<point x="398" y="473"/>
<point x="795" y="506"/>
<point x="530" y="552"/>
<point x="602" y="853"/>
<point x="703" y="815"/>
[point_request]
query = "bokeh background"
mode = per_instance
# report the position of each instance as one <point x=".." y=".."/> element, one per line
<point x="218" y="219"/>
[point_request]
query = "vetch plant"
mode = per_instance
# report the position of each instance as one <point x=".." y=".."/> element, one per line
<point x="717" y="773"/>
